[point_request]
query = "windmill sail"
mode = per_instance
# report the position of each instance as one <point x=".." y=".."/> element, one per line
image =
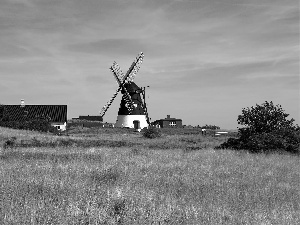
<point x="117" y="72"/>
<point x="135" y="66"/>
<point x="122" y="79"/>
<point x="126" y="95"/>
<point x="105" y="108"/>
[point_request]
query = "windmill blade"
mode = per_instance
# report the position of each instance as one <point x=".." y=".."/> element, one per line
<point x="126" y="96"/>
<point x="132" y="71"/>
<point x="105" y="108"/>
<point x="117" y="72"/>
<point x="135" y="66"/>
<point x="127" y="99"/>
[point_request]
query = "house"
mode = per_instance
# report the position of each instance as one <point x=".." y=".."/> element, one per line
<point x="57" y="114"/>
<point x="168" y="122"/>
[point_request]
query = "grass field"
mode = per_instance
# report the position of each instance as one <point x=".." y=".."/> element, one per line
<point x="112" y="176"/>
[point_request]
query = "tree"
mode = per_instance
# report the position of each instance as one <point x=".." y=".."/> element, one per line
<point x="264" y="118"/>
<point x="266" y="128"/>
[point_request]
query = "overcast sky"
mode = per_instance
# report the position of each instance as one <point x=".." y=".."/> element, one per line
<point x="204" y="61"/>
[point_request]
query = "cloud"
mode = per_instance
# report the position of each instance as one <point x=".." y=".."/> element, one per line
<point x="9" y="50"/>
<point x="21" y="51"/>
<point x="111" y="47"/>
<point x="98" y="80"/>
<point x="28" y="69"/>
<point x="224" y="76"/>
<point x="3" y="88"/>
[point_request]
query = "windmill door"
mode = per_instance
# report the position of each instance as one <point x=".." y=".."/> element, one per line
<point x="136" y="124"/>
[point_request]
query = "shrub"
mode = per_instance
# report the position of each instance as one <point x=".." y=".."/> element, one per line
<point x="266" y="128"/>
<point x="10" y="143"/>
<point x="152" y="132"/>
<point x="232" y="143"/>
<point x="271" y="141"/>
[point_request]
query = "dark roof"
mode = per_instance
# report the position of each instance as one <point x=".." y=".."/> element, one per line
<point x="168" y="119"/>
<point x="131" y="87"/>
<point x="57" y="113"/>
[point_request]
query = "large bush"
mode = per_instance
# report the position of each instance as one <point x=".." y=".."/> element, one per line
<point x="266" y="128"/>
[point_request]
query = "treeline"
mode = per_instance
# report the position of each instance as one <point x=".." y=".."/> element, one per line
<point x="210" y="127"/>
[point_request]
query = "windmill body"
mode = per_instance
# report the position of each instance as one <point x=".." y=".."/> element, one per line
<point x="133" y="111"/>
<point x="135" y="118"/>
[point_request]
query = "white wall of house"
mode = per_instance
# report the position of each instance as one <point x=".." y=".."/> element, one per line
<point x="60" y="125"/>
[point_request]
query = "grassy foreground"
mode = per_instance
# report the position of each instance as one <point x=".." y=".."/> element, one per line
<point x="142" y="185"/>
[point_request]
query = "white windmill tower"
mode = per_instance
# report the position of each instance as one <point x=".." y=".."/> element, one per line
<point x="133" y="111"/>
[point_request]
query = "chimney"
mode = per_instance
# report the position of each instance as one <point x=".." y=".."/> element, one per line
<point x="22" y="103"/>
<point x="168" y="116"/>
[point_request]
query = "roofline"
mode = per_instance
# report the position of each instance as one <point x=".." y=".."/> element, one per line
<point x="30" y="105"/>
<point x="168" y="119"/>
<point x="61" y="117"/>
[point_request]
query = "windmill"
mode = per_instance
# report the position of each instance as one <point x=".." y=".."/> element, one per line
<point x="133" y="111"/>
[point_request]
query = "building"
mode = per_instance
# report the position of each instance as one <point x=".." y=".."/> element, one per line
<point x="90" y="118"/>
<point x="168" y="122"/>
<point x="135" y="117"/>
<point x="57" y="114"/>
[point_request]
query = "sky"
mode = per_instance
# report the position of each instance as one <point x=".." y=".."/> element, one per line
<point x="204" y="60"/>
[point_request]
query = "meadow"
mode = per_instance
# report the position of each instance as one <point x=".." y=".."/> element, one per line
<point x="116" y="176"/>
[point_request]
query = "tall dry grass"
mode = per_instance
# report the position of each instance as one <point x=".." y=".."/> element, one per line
<point x="142" y="185"/>
<point x="113" y="137"/>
